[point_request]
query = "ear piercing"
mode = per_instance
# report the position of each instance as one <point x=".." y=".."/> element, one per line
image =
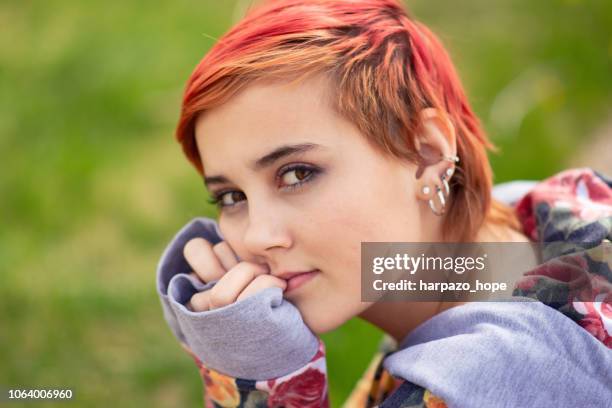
<point x="445" y="184"/>
<point x="452" y="159"/>
<point x="442" y="203"/>
<point x="442" y="196"/>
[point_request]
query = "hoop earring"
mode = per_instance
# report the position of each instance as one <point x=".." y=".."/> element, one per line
<point x="452" y="159"/>
<point x="446" y="175"/>
<point x="445" y="184"/>
<point x="442" y="202"/>
<point x="441" y="196"/>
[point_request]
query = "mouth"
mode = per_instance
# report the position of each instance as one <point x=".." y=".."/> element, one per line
<point x="300" y="279"/>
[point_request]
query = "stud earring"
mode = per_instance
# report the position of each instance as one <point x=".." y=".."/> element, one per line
<point x="425" y="190"/>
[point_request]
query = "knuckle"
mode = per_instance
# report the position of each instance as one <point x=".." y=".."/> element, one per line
<point x="263" y="279"/>
<point x="219" y="246"/>
<point x="269" y="281"/>
<point x="252" y="269"/>
<point x="199" y="302"/>
<point x="193" y="246"/>
<point x="224" y="252"/>
<point x="219" y="297"/>
<point x="248" y="268"/>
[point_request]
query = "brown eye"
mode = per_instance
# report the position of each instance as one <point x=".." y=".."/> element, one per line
<point x="301" y="174"/>
<point x="230" y="198"/>
<point x="291" y="178"/>
<point x="296" y="175"/>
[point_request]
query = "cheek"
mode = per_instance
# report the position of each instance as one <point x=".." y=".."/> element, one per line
<point x="347" y="221"/>
<point x="385" y="213"/>
<point x="337" y="252"/>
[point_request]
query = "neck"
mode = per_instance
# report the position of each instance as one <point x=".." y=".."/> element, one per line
<point x="398" y="319"/>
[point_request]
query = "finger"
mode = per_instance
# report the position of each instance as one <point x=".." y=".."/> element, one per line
<point x="195" y="275"/>
<point x="199" y="302"/>
<point x="260" y="283"/>
<point x="234" y="281"/>
<point x="225" y="254"/>
<point x="200" y="256"/>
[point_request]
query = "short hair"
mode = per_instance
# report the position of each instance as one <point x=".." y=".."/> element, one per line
<point x="385" y="67"/>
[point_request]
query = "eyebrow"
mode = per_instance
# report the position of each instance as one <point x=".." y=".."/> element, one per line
<point x="267" y="160"/>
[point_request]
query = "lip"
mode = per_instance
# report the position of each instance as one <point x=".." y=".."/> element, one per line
<point x="288" y="275"/>
<point x="297" y="279"/>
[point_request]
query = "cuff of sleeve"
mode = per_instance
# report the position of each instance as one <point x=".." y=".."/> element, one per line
<point x="172" y="263"/>
<point x="259" y="337"/>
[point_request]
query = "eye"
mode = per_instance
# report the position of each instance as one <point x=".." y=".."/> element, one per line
<point x="293" y="176"/>
<point x="226" y="198"/>
<point x="296" y="175"/>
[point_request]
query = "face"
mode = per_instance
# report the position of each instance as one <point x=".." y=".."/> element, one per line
<point x="309" y="209"/>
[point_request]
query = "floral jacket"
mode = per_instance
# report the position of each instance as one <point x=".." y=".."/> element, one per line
<point x="574" y="206"/>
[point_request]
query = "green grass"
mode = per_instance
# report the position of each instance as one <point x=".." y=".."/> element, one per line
<point x="93" y="186"/>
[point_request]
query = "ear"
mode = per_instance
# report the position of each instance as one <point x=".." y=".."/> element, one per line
<point x="435" y="142"/>
<point x="436" y="138"/>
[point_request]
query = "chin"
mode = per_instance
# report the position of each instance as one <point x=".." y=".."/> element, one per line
<point x="322" y="321"/>
<point x="318" y="326"/>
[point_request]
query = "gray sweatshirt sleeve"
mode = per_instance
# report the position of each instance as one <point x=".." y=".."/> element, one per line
<point x="260" y="337"/>
<point x="517" y="353"/>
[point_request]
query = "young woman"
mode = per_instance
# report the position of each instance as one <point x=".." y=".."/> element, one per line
<point x="318" y="125"/>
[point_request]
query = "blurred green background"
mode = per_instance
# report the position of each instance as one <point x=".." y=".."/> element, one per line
<point x="92" y="184"/>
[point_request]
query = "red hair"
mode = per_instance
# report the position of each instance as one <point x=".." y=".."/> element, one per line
<point x="385" y="67"/>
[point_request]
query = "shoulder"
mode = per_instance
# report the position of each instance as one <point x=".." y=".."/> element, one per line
<point x="491" y="350"/>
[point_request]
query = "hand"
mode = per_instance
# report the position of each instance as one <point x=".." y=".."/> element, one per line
<point x="237" y="280"/>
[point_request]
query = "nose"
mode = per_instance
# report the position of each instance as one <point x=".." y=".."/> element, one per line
<point x="267" y="228"/>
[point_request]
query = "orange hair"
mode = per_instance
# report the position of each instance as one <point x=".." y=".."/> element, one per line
<point x="385" y="67"/>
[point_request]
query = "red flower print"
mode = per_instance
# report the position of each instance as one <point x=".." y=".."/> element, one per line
<point x="304" y="390"/>
<point x="597" y="318"/>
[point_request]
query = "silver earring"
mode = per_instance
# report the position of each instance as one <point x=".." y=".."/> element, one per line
<point x="445" y="184"/>
<point x="453" y="159"/>
<point x="447" y="174"/>
<point x="425" y="190"/>
<point x="440" y="196"/>
<point x="442" y="202"/>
